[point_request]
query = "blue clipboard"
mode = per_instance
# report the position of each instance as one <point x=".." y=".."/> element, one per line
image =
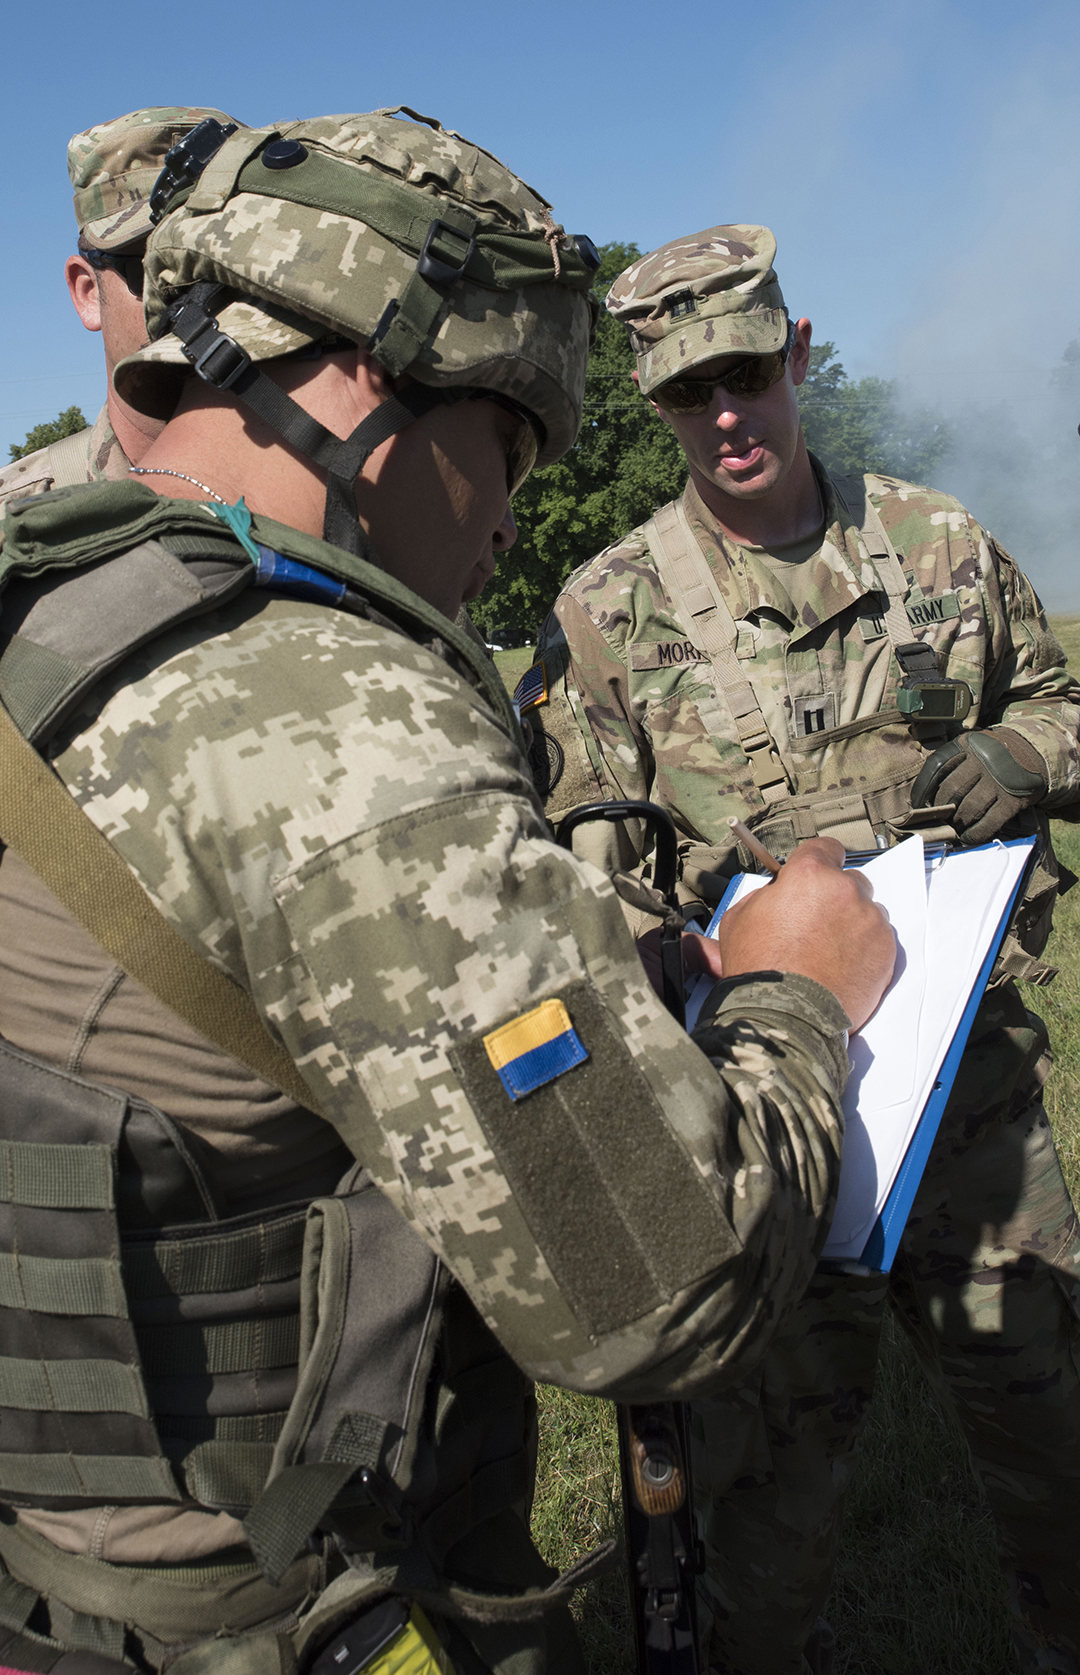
<point x="881" y="1247"/>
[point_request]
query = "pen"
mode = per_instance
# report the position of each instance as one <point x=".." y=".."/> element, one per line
<point x="758" y="850"/>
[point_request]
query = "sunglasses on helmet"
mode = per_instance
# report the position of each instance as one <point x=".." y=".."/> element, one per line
<point x="752" y="376"/>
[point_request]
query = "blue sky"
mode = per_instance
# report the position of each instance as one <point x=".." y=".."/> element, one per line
<point x="918" y="161"/>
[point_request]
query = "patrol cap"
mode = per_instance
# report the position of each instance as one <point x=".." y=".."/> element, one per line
<point x="708" y="294"/>
<point x="113" y="167"/>
<point x="399" y="235"/>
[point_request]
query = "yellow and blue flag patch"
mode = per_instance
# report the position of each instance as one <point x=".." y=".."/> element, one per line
<point x="535" y="1048"/>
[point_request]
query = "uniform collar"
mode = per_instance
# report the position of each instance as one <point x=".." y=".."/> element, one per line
<point x="106" y="460"/>
<point x="839" y="575"/>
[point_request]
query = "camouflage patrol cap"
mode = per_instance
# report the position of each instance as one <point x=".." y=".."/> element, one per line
<point x="711" y="293"/>
<point x="398" y="234"/>
<point x="113" y="167"/>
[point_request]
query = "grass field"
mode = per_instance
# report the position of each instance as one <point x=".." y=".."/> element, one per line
<point x="917" y="1588"/>
<point x="513" y="664"/>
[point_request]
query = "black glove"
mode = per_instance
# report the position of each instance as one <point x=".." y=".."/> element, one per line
<point x="989" y="776"/>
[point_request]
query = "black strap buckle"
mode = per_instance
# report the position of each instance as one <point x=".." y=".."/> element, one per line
<point x="222" y="362"/>
<point x="434" y="268"/>
<point x="185" y="162"/>
<point x="216" y="357"/>
<point x="917" y="658"/>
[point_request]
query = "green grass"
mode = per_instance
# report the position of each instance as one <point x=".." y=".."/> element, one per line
<point x="917" y="1589"/>
<point x="513" y="664"/>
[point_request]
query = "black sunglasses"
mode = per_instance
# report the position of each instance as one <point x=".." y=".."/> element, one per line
<point x="752" y="376"/>
<point x="130" y="268"/>
<point x="523" y="449"/>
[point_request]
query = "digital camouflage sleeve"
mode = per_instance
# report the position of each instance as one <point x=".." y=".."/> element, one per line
<point x="332" y="814"/>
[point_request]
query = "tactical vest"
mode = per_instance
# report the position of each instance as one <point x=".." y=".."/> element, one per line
<point x="883" y="751"/>
<point x="310" y="1368"/>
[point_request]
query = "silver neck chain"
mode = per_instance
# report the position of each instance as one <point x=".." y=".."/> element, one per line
<point x="163" y="471"/>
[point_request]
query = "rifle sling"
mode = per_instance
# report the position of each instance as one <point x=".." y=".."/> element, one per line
<point x="44" y="824"/>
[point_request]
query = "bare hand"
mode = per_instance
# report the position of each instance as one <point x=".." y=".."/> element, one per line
<point x="818" y="921"/>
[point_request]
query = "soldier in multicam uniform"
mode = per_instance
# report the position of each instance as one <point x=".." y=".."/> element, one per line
<point x="311" y="914"/>
<point x="113" y="167"/>
<point x="750" y="651"/>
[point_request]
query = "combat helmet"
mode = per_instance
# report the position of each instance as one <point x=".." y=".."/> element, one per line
<point x="397" y="235"/>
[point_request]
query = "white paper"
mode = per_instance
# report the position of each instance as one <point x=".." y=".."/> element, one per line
<point x="944" y="913"/>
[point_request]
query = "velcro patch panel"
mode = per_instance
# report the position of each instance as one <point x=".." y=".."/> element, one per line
<point x="815" y="715"/>
<point x="617" y="1205"/>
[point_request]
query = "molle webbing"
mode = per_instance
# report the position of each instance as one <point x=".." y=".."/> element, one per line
<point x="216" y="1310"/>
<point x="117" y="1346"/>
<point x="76" y="1421"/>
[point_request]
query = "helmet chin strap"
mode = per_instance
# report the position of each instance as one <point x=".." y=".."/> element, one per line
<point x="224" y="365"/>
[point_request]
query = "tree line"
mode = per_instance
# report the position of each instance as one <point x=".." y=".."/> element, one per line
<point x="626" y="463"/>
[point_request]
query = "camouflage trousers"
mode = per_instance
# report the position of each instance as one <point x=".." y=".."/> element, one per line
<point x="987" y="1285"/>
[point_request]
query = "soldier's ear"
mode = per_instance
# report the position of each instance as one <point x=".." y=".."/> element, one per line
<point x="82" y="284"/>
<point x="799" y="359"/>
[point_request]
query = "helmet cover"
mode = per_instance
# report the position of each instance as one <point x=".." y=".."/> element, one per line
<point x="326" y="235"/>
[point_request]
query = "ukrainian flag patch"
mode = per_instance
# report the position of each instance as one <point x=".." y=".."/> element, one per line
<point x="534" y="1049"/>
<point x="532" y="688"/>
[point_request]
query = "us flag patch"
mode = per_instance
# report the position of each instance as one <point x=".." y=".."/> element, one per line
<point x="532" y="688"/>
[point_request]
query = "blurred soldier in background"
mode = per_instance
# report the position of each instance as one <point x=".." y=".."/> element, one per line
<point x="113" y="167"/>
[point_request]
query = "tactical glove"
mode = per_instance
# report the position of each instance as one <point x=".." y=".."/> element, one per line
<point x="988" y="776"/>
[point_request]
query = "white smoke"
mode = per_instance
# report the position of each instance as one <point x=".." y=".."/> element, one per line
<point x="986" y="336"/>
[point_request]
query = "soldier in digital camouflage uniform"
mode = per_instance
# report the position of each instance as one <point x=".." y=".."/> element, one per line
<point x="113" y="167"/>
<point x="342" y="976"/>
<point x="738" y="655"/>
